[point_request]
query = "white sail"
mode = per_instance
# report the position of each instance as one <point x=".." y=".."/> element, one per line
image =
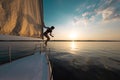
<point x="21" y="17"/>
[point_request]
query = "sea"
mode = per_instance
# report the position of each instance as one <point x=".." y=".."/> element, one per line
<point x="73" y="60"/>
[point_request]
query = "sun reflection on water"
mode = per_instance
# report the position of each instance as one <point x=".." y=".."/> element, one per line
<point x="73" y="45"/>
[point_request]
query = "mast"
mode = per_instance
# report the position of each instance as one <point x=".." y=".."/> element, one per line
<point x="42" y="16"/>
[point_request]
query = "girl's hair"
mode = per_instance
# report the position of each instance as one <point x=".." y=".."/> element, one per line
<point x="52" y="27"/>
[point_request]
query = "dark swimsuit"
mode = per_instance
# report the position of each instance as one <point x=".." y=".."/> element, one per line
<point x="49" y="30"/>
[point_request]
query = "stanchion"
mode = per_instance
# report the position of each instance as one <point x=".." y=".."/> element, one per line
<point x="9" y="53"/>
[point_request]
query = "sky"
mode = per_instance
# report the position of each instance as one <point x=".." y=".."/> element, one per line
<point x="83" y="19"/>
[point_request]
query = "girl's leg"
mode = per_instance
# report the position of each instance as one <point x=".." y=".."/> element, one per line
<point x="48" y="38"/>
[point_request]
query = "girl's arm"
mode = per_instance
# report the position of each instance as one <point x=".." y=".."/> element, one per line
<point x="51" y="34"/>
<point x="46" y="27"/>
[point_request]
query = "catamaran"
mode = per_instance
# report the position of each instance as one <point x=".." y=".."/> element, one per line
<point x="24" y="18"/>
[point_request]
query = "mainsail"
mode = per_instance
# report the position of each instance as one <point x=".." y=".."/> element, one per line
<point x="21" y="17"/>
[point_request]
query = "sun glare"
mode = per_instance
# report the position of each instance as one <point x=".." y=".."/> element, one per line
<point x="73" y="36"/>
<point x="73" y="46"/>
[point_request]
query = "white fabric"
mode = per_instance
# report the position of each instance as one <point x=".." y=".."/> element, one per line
<point x="21" y="17"/>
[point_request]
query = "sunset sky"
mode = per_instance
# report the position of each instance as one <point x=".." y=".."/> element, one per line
<point x="83" y="19"/>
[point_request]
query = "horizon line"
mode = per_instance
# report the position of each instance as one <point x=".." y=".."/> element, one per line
<point x="60" y="40"/>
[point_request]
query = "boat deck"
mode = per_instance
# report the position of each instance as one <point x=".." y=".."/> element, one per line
<point x="34" y="67"/>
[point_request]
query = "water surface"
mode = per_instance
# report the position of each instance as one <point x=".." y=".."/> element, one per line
<point x="73" y="60"/>
<point x="85" y="60"/>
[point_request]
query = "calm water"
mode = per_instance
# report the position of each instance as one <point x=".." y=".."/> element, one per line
<point x="75" y="60"/>
<point x="85" y="60"/>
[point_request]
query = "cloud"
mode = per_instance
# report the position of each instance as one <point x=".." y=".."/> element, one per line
<point x="80" y="8"/>
<point x="85" y="14"/>
<point x="82" y="22"/>
<point x="110" y="10"/>
<point x="90" y="6"/>
<point x="92" y="19"/>
<point x="97" y="13"/>
<point x="110" y="14"/>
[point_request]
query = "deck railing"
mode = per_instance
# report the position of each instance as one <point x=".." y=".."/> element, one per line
<point x="10" y="53"/>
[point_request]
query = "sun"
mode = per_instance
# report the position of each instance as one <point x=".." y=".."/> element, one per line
<point x="73" y="35"/>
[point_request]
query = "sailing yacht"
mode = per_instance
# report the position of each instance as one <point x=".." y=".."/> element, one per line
<point x="24" y="18"/>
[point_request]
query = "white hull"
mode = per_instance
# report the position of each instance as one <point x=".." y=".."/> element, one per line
<point x="34" y="67"/>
